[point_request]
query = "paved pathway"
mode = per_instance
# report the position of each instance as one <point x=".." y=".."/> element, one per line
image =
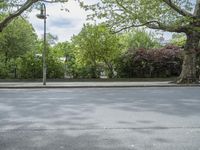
<point x="87" y="84"/>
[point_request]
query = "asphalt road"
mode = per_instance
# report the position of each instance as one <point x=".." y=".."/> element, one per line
<point x="100" y="119"/>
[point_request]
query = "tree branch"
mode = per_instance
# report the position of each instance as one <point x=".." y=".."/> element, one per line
<point x="123" y="7"/>
<point x="17" y="13"/>
<point x="156" y="25"/>
<point x="197" y="9"/>
<point x="133" y="26"/>
<point x="160" y="26"/>
<point x="168" y="28"/>
<point x="178" y="9"/>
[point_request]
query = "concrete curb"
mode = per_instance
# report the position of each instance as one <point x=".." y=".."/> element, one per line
<point x="121" y="86"/>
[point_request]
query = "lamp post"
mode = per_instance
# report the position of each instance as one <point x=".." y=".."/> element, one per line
<point x="43" y="16"/>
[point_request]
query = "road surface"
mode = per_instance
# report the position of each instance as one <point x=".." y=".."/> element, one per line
<point x="100" y="119"/>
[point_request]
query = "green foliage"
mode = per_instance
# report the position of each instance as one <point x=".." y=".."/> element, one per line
<point x="178" y="40"/>
<point x="66" y="50"/>
<point x="155" y="14"/>
<point x="96" y="48"/>
<point x="62" y="49"/>
<point x="3" y="5"/>
<point x="136" y="39"/>
<point x="8" y="70"/>
<point x="30" y="66"/>
<point x="18" y="38"/>
<point x="198" y="64"/>
<point x="3" y="68"/>
<point x="18" y="48"/>
<point x="55" y="67"/>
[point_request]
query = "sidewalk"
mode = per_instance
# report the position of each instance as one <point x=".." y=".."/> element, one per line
<point x="91" y="84"/>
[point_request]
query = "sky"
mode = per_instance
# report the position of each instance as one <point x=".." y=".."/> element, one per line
<point x="64" y="24"/>
<point x="61" y="23"/>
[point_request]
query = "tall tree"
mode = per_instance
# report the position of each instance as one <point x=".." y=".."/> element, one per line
<point x="18" y="38"/>
<point x="95" y="44"/>
<point x="180" y="16"/>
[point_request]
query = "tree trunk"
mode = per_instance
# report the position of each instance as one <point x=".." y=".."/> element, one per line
<point x="188" y="74"/>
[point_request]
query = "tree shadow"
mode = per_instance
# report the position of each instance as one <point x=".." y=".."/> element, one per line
<point x="75" y="107"/>
<point x="38" y="119"/>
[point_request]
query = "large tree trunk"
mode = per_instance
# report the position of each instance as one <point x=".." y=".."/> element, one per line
<point x="188" y="74"/>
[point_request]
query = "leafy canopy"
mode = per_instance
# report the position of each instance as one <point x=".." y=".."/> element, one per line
<point x="168" y="15"/>
<point x="138" y="39"/>
<point x="18" y="38"/>
<point x="96" y="45"/>
<point x="95" y="42"/>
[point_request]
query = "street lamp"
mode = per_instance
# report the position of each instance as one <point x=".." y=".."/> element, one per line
<point x="43" y="16"/>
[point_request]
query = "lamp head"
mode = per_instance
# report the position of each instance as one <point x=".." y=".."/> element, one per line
<point x="42" y="14"/>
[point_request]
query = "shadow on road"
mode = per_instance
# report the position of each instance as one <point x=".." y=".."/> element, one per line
<point x="96" y="118"/>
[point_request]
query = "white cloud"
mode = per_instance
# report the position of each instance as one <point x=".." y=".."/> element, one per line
<point x="60" y="22"/>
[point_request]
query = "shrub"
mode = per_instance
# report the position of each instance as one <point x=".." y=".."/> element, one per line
<point x="162" y="62"/>
<point x="30" y="66"/>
